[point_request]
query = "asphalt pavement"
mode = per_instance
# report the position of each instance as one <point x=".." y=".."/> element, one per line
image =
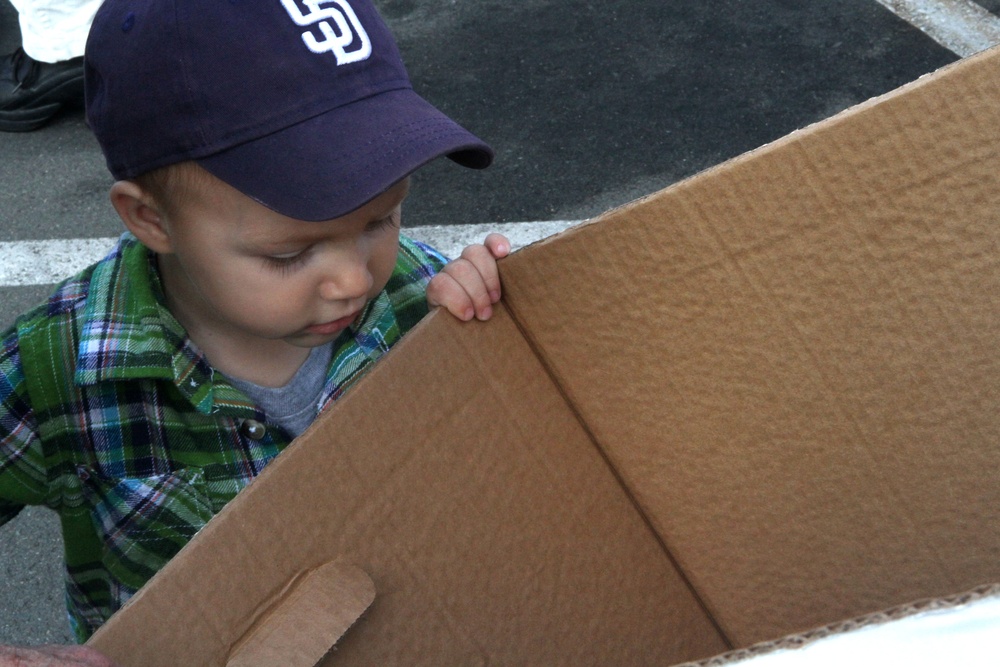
<point x="588" y="105"/>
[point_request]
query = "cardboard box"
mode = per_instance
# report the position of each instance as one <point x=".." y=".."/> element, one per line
<point x="760" y="401"/>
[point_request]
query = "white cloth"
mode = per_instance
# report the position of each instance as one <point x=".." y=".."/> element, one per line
<point x="55" y="30"/>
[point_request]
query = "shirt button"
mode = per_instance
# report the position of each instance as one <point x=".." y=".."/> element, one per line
<point x="253" y="429"/>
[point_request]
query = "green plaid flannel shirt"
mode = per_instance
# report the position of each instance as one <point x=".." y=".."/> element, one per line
<point x="110" y="416"/>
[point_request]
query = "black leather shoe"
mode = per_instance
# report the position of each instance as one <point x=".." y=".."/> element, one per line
<point x="32" y="92"/>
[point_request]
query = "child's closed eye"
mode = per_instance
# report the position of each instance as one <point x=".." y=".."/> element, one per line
<point x="390" y="221"/>
<point x="286" y="262"/>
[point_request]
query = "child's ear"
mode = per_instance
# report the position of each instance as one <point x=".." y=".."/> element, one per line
<point x="141" y="216"/>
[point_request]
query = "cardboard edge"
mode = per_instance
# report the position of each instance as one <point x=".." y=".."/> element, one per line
<point x="803" y="639"/>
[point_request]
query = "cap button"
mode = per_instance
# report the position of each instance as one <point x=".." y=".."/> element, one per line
<point x="253" y="429"/>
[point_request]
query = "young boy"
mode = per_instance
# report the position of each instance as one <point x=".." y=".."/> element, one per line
<point x="262" y="151"/>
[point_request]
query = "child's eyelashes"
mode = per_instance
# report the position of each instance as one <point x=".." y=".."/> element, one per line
<point x="390" y="221"/>
<point x="287" y="262"/>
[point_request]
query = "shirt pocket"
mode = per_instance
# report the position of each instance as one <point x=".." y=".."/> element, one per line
<point x="144" y="522"/>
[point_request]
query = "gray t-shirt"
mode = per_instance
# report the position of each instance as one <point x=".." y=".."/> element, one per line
<point x="295" y="405"/>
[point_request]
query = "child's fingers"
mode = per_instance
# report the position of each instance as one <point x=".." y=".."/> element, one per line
<point x="484" y="261"/>
<point x="468" y="271"/>
<point x="446" y="290"/>
<point x="469" y="286"/>
<point x="68" y="656"/>
<point x="498" y="244"/>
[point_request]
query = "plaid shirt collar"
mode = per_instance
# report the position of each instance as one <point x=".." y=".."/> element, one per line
<point x="127" y="333"/>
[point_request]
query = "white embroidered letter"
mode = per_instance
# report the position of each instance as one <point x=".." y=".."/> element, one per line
<point x="345" y="32"/>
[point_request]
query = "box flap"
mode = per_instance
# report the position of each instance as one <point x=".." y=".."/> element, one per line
<point x="791" y="358"/>
<point x="455" y="475"/>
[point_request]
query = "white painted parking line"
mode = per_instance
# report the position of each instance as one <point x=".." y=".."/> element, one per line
<point x="961" y="26"/>
<point x="48" y="262"/>
<point x="450" y="240"/>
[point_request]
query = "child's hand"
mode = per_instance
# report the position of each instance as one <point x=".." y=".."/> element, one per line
<point x="52" y="656"/>
<point x="469" y="286"/>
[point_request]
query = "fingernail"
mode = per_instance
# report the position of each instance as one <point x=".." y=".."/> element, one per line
<point x="495" y="296"/>
<point x="486" y="314"/>
<point x="468" y="314"/>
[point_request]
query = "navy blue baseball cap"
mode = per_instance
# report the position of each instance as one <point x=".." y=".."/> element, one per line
<point x="303" y="105"/>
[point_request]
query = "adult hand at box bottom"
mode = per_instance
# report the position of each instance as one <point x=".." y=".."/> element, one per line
<point x="53" y="656"/>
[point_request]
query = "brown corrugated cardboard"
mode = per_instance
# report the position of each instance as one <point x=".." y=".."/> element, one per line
<point x="760" y="401"/>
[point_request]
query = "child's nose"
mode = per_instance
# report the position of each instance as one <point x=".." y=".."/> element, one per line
<point x="348" y="278"/>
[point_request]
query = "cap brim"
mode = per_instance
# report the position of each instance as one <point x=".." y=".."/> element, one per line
<point x="329" y="165"/>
